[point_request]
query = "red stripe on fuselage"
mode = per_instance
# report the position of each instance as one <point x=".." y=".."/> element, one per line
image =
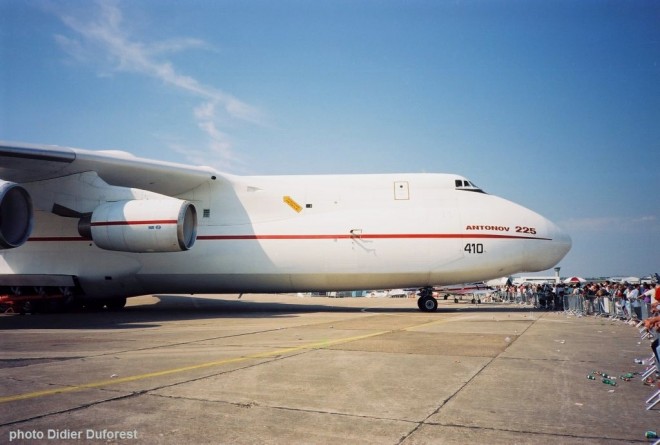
<point x="366" y="236"/>
<point x="317" y="237"/>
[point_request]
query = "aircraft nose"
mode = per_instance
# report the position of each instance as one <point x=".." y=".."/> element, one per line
<point x="561" y="240"/>
<point x="555" y="244"/>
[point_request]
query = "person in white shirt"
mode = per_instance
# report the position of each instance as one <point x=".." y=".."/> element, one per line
<point x="633" y="298"/>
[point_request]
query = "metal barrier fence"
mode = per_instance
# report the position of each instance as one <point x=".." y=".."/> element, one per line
<point x="606" y="306"/>
<point x="579" y="304"/>
<point x="529" y="298"/>
<point x="540" y="300"/>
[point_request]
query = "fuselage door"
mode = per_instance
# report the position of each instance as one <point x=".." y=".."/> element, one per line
<point x="401" y="190"/>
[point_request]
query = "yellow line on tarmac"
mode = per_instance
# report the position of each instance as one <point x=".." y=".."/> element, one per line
<point x="266" y="354"/>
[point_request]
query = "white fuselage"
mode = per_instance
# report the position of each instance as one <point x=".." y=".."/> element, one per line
<point x="310" y="233"/>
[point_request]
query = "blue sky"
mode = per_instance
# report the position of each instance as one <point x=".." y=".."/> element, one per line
<point x="554" y="105"/>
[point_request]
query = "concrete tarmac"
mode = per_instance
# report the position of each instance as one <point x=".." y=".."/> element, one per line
<point x="315" y="370"/>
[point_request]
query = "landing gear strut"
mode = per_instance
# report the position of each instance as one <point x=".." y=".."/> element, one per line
<point x="426" y="301"/>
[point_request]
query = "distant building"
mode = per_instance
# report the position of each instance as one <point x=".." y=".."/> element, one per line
<point x="534" y="280"/>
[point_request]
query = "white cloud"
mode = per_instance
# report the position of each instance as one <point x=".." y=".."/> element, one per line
<point x="103" y="41"/>
<point x="176" y="45"/>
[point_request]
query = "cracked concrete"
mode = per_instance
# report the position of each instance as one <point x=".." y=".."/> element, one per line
<point x="284" y="369"/>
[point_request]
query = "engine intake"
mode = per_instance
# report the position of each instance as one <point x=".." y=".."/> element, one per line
<point x="16" y="215"/>
<point x="141" y="226"/>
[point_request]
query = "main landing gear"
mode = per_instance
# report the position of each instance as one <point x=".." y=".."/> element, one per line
<point x="29" y="299"/>
<point x="426" y="301"/>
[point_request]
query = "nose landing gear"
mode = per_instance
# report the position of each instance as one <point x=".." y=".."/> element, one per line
<point x="426" y="302"/>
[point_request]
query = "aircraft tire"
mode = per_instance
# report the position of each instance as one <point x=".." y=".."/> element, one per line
<point x="427" y="304"/>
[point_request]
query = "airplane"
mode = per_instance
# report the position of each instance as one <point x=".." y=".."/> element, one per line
<point x="102" y="226"/>
<point x="464" y="288"/>
<point x="459" y="290"/>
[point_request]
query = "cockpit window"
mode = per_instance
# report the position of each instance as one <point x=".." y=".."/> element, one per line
<point x="464" y="184"/>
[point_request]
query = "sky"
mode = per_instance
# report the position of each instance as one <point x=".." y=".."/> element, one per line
<point x="553" y="105"/>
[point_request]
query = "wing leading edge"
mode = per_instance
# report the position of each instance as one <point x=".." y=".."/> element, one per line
<point x="23" y="163"/>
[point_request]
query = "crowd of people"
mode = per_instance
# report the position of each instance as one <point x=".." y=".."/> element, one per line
<point x="653" y="321"/>
<point x="628" y="299"/>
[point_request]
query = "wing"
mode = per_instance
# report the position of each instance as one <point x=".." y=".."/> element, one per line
<point x="119" y="200"/>
<point x="21" y="163"/>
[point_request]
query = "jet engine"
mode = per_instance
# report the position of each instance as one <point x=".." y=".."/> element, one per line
<point x="141" y="226"/>
<point x="16" y="215"/>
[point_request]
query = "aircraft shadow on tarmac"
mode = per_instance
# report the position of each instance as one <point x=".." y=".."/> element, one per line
<point x="180" y="308"/>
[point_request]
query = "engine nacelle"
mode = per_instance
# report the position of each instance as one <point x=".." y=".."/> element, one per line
<point x="141" y="226"/>
<point x="16" y="215"/>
